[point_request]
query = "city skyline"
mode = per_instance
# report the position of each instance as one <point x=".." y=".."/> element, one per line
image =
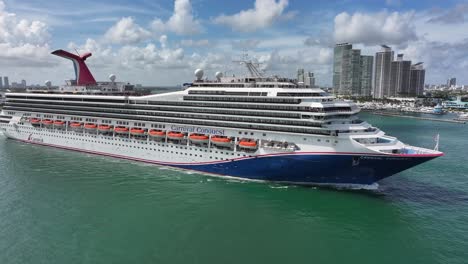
<point x="353" y="74"/>
<point x="352" y="71"/>
<point x="162" y="43"/>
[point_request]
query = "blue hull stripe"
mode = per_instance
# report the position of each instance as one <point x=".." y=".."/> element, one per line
<point x="323" y="169"/>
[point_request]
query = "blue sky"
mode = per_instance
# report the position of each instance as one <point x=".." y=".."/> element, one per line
<point x="162" y="42"/>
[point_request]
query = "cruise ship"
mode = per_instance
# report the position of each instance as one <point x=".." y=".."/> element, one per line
<point x="254" y="127"/>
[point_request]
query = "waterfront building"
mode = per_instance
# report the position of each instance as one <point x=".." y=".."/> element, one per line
<point x="6" y="83"/>
<point x="351" y="71"/>
<point x="1" y="82"/>
<point x="452" y="82"/>
<point x="367" y="66"/>
<point x="300" y="77"/>
<point x="459" y="103"/>
<point x="341" y="61"/>
<point x="310" y="80"/>
<point x="353" y="83"/>
<point x="383" y="63"/>
<point x="305" y="79"/>
<point x="400" y="77"/>
<point x="417" y="79"/>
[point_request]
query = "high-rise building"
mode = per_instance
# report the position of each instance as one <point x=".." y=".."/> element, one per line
<point x="400" y="78"/>
<point x="452" y="82"/>
<point x="341" y="58"/>
<point x="353" y="83"/>
<point x="367" y="66"/>
<point x="347" y="70"/>
<point x="383" y="63"/>
<point x="417" y="76"/>
<point x="1" y="82"/>
<point x="300" y="76"/>
<point x="305" y="79"/>
<point x="23" y="83"/>
<point x="6" y="83"/>
<point x="310" y="79"/>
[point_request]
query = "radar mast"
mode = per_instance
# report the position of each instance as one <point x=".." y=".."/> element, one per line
<point x="252" y="67"/>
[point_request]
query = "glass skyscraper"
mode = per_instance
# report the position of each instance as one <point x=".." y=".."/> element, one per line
<point x="417" y="79"/>
<point x="352" y="72"/>
<point x="400" y="78"/>
<point x="367" y="66"/>
<point x="383" y="64"/>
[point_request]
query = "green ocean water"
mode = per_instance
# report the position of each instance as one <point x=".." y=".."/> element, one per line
<point x="58" y="206"/>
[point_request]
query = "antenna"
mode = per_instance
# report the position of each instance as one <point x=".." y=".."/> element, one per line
<point x="251" y="66"/>
<point x="76" y="51"/>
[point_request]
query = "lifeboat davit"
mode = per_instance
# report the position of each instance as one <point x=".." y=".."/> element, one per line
<point x="175" y="135"/>
<point x="104" y="128"/>
<point x="90" y="126"/>
<point x="47" y="122"/>
<point x="59" y="123"/>
<point x="198" y="138"/>
<point x="121" y="130"/>
<point x="221" y="141"/>
<point x="248" y="144"/>
<point x="136" y="131"/>
<point x="76" y="125"/>
<point x="157" y="133"/>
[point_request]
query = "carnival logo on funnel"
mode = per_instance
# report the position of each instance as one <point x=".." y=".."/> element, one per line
<point x="201" y="130"/>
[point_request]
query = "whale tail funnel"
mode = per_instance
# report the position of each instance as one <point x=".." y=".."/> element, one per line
<point x="82" y="73"/>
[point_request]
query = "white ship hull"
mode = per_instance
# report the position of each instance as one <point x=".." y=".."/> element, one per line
<point x="312" y="164"/>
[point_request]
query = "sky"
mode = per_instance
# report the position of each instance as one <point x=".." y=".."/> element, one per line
<point x="162" y="42"/>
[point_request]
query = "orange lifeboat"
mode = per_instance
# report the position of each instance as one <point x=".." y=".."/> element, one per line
<point x="136" y="131"/>
<point x="248" y="143"/>
<point x="75" y="125"/>
<point x="157" y="133"/>
<point x="175" y="135"/>
<point x="35" y="121"/>
<point x="104" y="128"/>
<point x="47" y="122"/>
<point x="121" y="130"/>
<point x="59" y="123"/>
<point x="90" y="126"/>
<point x="198" y="138"/>
<point x="221" y="141"/>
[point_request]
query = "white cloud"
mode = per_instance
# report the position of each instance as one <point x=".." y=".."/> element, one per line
<point x="442" y="60"/>
<point x="145" y="57"/>
<point x="24" y="55"/>
<point x="375" y="28"/>
<point x="211" y="61"/>
<point x="126" y="31"/>
<point x="457" y="14"/>
<point x="21" y="31"/>
<point x="285" y="62"/>
<point x="132" y="56"/>
<point x="22" y="42"/>
<point x="195" y="43"/>
<point x="181" y="22"/>
<point x="245" y="43"/>
<point x="264" y="14"/>
<point x="163" y="41"/>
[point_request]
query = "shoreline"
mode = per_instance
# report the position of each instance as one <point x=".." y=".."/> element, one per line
<point x="415" y="117"/>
